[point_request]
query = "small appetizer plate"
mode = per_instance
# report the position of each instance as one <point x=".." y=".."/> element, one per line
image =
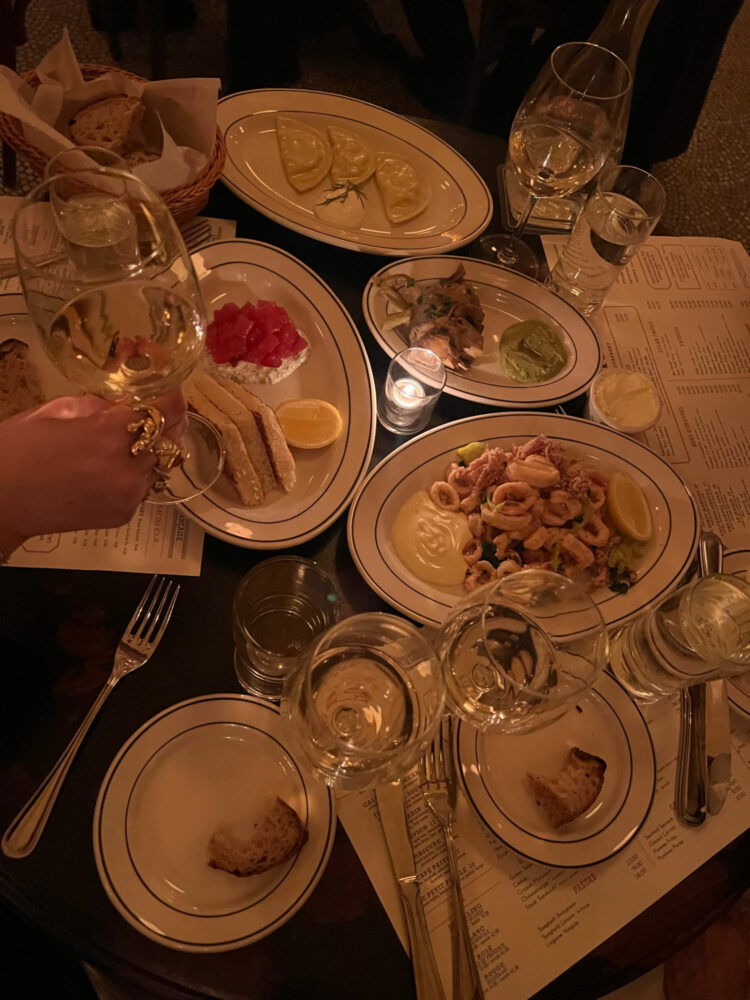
<point x="506" y="298"/>
<point x="493" y="769"/>
<point x="460" y="204"/>
<point x="182" y="774"/>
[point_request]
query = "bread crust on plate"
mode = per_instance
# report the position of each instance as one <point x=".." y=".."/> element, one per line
<point x="268" y="839"/>
<point x="573" y="790"/>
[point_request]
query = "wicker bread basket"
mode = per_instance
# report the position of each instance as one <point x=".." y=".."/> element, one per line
<point x="184" y="202"/>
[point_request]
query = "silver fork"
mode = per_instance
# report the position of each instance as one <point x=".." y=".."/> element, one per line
<point x="139" y="640"/>
<point x="438" y="783"/>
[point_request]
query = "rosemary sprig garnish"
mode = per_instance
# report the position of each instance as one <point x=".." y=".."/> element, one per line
<point x="340" y="192"/>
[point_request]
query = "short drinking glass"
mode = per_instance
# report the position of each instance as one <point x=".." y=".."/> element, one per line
<point x="280" y="606"/>
<point x="698" y="633"/>
<point x="617" y="219"/>
<point x="365" y="700"/>
<point x="520" y="651"/>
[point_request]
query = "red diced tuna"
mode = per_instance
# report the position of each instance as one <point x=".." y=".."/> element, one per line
<point x="272" y="361"/>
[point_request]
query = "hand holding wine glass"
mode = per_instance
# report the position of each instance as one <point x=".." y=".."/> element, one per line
<point x="560" y="137"/>
<point x="112" y="290"/>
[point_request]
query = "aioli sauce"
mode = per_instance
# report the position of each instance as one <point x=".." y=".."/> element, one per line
<point x="429" y="541"/>
<point x="626" y="400"/>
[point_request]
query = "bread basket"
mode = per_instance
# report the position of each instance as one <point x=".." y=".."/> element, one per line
<point x="184" y="202"/>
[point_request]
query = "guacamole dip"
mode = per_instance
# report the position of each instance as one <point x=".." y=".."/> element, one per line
<point x="531" y="351"/>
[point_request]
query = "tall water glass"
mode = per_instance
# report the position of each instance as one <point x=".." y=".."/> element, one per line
<point x="520" y="651"/>
<point x="365" y="700"/>
<point x="698" y="633"/>
<point x="617" y="219"/>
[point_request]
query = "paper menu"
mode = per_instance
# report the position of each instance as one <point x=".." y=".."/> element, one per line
<point x="158" y="539"/>
<point x="529" y="922"/>
<point x="680" y="311"/>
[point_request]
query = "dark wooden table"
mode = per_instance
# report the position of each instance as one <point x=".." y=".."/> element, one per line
<point x="58" y="631"/>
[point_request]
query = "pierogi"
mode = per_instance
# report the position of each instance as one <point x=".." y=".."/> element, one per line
<point x="305" y="153"/>
<point x="404" y="190"/>
<point x="353" y="157"/>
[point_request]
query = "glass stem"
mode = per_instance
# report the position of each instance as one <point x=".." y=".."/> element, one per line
<point x="524" y="217"/>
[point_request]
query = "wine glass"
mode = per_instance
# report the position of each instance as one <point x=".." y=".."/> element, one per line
<point x="365" y="700"/>
<point x="112" y="290"/>
<point x="560" y="137"/>
<point x="518" y="652"/>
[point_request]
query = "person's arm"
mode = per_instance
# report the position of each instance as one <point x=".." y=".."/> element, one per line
<point x="67" y="465"/>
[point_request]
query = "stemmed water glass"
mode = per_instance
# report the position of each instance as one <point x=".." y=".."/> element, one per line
<point x="518" y="652"/>
<point x="365" y="700"/>
<point x="112" y="290"/>
<point x="560" y="137"/>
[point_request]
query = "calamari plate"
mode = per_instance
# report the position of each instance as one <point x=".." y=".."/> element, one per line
<point x="506" y="298"/>
<point x="423" y="460"/>
<point x="492" y="769"/>
<point x="190" y="768"/>
<point x="460" y="206"/>
<point x="337" y="370"/>
<point x="737" y="562"/>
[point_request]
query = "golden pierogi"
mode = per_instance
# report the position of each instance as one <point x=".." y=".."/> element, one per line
<point x="404" y="190"/>
<point x="305" y="153"/>
<point x="353" y="157"/>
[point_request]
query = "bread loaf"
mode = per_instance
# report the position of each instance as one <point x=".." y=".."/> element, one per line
<point x="114" y="123"/>
<point x="573" y="790"/>
<point x="273" y="836"/>
<point x="20" y="385"/>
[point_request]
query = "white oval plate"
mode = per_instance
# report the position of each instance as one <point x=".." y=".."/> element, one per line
<point x="418" y="463"/>
<point x="737" y="562"/>
<point x="193" y="766"/>
<point x="506" y="298"/>
<point x="337" y="370"/>
<point x="459" y="210"/>
<point x="605" y="722"/>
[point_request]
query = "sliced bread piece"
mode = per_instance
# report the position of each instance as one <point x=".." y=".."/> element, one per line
<point x="246" y="424"/>
<point x="281" y="457"/>
<point x="237" y="462"/>
<point x="573" y="790"/>
<point x="269" y="838"/>
<point x="20" y="385"/>
<point x="114" y="123"/>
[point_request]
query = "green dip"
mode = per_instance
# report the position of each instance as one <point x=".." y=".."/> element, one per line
<point x="531" y="351"/>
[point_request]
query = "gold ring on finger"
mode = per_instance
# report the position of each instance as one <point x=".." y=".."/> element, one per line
<point x="146" y="429"/>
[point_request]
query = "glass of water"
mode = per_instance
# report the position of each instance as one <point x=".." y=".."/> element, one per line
<point x="617" y="219"/>
<point x="520" y="651"/>
<point x="696" y="634"/>
<point x="280" y="606"/>
<point x="365" y="701"/>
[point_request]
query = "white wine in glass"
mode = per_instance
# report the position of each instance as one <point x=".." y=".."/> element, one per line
<point x="560" y="137"/>
<point x="112" y="290"/>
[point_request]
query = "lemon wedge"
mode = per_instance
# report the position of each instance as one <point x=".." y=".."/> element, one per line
<point x="309" y="423"/>
<point x="629" y="508"/>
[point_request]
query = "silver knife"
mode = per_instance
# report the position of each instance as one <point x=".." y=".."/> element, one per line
<point x="718" y="744"/>
<point x="390" y="799"/>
